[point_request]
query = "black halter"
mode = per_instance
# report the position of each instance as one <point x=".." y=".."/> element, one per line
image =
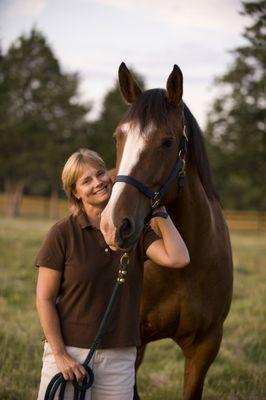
<point x="155" y="197"/>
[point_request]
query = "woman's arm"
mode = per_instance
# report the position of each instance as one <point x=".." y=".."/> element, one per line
<point x="47" y="289"/>
<point x="171" y="250"/>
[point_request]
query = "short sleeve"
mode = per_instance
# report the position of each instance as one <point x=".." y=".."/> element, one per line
<point x="52" y="253"/>
<point x="149" y="236"/>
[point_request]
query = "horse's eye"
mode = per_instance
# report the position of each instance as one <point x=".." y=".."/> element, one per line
<point x="114" y="139"/>
<point x="167" y="143"/>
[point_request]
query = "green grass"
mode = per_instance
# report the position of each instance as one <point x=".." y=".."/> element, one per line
<point x="238" y="373"/>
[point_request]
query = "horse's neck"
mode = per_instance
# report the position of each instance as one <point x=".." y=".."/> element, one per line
<point x="192" y="211"/>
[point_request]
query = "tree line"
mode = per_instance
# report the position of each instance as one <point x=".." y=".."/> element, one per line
<point x="42" y="120"/>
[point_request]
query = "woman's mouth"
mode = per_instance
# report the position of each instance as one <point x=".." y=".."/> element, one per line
<point x="101" y="191"/>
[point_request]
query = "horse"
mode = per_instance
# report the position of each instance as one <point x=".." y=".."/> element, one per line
<point x="188" y="305"/>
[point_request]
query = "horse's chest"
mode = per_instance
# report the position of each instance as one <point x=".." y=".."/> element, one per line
<point x="176" y="308"/>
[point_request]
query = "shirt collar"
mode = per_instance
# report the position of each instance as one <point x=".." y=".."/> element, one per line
<point x="83" y="220"/>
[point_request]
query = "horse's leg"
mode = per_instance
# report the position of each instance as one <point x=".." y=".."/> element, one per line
<point x="139" y="359"/>
<point x="198" y="357"/>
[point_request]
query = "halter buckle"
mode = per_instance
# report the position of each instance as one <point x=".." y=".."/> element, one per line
<point x="183" y="168"/>
<point x="185" y="132"/>
<point x="155" y="200"/>
<point x="181" y="154"/>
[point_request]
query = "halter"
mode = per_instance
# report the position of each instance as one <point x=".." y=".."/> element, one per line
<point x="156" y="196"/>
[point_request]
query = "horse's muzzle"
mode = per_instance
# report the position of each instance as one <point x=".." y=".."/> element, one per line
<point x="126" y="236"/>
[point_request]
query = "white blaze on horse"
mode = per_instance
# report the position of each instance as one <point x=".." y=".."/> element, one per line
<point x="188" y="305"/>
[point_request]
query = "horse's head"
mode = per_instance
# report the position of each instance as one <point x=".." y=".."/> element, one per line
<point x="147" y="142"/>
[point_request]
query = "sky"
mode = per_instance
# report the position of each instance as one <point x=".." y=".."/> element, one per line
<point x="92" y="37"/>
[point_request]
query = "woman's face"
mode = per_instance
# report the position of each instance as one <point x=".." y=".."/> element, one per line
<point x="94" y="185"/>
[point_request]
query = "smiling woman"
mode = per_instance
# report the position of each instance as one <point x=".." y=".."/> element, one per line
<point x="86" y="182"/>
<point x="77" y="273"/>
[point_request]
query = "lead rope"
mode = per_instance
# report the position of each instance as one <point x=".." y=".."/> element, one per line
<point x="58" y="382"/>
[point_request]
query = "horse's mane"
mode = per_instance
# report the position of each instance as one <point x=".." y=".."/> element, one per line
<point x="153" y="106"/>
<point x="199" y="155"/>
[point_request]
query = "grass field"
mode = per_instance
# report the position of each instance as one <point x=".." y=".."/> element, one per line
<point x="239" y="372"/>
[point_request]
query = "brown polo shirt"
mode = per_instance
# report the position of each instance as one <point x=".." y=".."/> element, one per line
<point x="89" y="271"/>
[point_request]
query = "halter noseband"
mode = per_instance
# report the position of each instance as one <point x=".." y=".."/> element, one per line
<point x="155" y="197"/>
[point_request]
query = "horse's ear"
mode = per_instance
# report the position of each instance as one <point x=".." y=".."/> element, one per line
<point x="128" y="85"/>
<point x="175" y="86"/>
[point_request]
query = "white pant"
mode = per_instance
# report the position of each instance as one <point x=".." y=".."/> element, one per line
<point x="114" y="373"/>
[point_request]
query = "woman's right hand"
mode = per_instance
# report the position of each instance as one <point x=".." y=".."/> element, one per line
<point x="70" y="367"/>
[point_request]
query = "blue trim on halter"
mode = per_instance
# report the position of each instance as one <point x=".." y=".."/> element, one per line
<point x="161" y="214"/>
<point x="153" y="214"/>
<point x="178" y="167"/>
<point x="134" y="182"/>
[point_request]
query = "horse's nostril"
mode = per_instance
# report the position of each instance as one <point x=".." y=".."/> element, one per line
<point x="126" y="228"/>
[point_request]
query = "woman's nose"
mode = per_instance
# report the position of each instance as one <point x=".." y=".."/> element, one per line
<point x="97" y="180"/>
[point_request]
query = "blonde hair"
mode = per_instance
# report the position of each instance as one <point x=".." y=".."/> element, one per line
<point x="72" y="171"/>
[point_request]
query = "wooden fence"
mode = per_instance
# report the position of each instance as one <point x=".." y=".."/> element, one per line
<point x="45" y="207"/>
<point x="33" y="206"/>
<point x="246" y="220"/>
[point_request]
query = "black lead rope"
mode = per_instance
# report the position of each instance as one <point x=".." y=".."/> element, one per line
<point x="58" y="382"/>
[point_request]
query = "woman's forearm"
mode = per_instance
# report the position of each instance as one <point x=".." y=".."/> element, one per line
<point x="51" y="325"/>
<point x="170" y="250"/>
<point x="174" y="245"/>
<point x="66" y="364"/>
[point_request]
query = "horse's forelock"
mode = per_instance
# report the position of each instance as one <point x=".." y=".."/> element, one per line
<point x="152" y="107"/>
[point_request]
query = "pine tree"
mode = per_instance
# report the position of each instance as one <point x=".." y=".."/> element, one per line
<point x="42" y="121"/>
<point x="236" y="124"/>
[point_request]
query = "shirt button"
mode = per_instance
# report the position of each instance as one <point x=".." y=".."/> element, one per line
<point x="106" y="250"/>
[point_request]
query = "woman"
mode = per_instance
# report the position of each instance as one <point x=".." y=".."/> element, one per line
<point x="77" y="273"/>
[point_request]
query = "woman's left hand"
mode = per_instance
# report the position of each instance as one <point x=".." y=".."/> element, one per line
<point x="154" y="221"/>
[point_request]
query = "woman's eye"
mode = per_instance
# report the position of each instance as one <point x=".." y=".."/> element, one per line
<point x="167" y="143"/>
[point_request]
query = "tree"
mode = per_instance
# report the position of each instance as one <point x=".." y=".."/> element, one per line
<point x="102" y="130"/>
<point x="236" y="124"/>
<point x="41" y="119"/>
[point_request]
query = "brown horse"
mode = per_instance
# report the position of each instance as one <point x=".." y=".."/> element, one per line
<point x="188" y="305"/>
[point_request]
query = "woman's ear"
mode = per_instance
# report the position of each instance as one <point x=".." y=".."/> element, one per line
<point x="74" y="192"/>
